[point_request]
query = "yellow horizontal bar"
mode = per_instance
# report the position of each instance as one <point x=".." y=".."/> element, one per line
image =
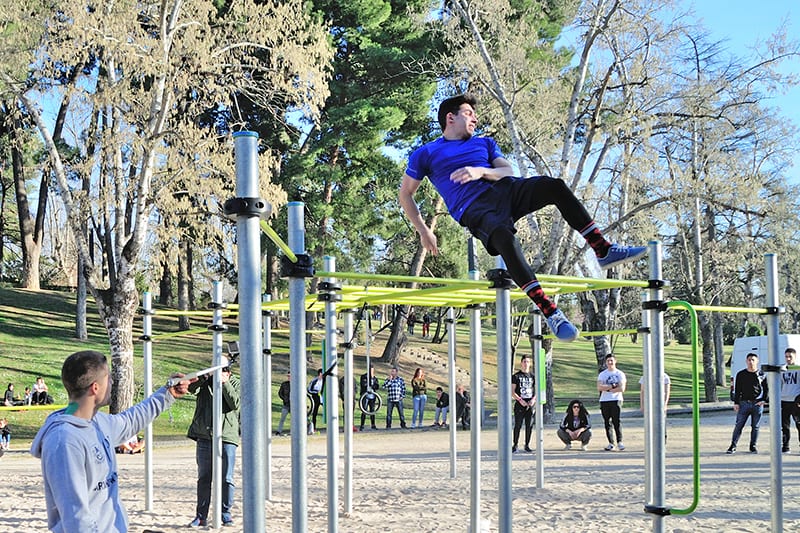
<point x="723" y="309"/>
<point x="52" y="407"/>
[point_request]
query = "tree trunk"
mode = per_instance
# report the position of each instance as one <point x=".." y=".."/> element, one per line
<point x="81" y="332"/>
<point x="719" y="348"/>
<point x="183" y="285"/>
<point x="397" y="338"/>
<point x="596" y="316"/>
<point x="117" y="307"/>
<point x="709" y="380"/>
<point x="30" y="235"/>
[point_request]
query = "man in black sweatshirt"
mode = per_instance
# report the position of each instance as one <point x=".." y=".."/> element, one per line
<point x="750" y="395"/>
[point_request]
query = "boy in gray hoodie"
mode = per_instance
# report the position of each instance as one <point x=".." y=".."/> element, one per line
<point x="76" y="446"/>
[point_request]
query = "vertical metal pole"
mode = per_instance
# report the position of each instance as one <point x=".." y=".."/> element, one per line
<point x="451" y="378"/>
<point x="248" y="234"/>
<point x="774" y="384"/>
<point x="332" y="399"/>
<point x="540" y="391"/>
<point x="476" y="390"/>
<point x="266" y="320"/>
<point x="504" y="427"/>
<point x="217" y="327"/>
<point x="647" y="354"/>
<point x="654" y="389"/>
<point x="297" y="355"/>
<point x="348" y="412"/>
<point x="147" y="353"/>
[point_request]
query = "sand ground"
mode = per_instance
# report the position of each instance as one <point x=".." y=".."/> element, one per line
<point x="403" y="483"/>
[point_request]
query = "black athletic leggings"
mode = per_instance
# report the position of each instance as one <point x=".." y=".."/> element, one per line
<point x="526" y="196"/>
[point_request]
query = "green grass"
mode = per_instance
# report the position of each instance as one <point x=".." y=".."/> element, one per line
<point x="37" y="334"/>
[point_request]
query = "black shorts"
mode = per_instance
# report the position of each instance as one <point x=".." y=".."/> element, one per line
<point x="512" y="198"/>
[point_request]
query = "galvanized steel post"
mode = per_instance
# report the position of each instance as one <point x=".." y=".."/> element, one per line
<point x="248" y="234"/>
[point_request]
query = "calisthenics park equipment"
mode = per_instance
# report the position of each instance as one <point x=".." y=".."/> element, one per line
<point x="442" y="292"/>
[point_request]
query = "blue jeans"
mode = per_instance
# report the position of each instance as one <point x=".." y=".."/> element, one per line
<point x="390" y="406"/>
<point x="419" y="409"/>
<point x="752" y="410"/>
<point x="205" y="467"/>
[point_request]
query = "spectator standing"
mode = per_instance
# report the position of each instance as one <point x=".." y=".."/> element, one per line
<point x="790" y="389"/>
<point x="395" y="392"/>
<point x="76" y="447"/>
<point x="202" y="431"/>
<point x="39" y="394"/>
<point x="576" y="425"/>
<point x="5" y="435"/>
<point x="463" y="406"/>
<point x="284" y="393"/>
<point x="611" y="383"/>
<point x="411" y="321"/>
<point x="315" y="390"/>
<point x="523" y="392"/>
<point x="442" y="406"/>
<point x="749" y="397"/>
<point x="419" y="390"/>
<point x="369" y="386"/>
<point x="426" y="325"/>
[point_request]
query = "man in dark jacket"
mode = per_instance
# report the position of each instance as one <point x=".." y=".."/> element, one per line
<point x="749" y="397"/>
<point x="369" y="386"/>
<point x="201" y="430"/>
<point x="284" y="393"/>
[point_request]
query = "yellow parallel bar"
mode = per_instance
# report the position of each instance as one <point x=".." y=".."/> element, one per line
<point x="723" y="309"/>
<point x="51" y="407"/>
<point x="266" y="228"/>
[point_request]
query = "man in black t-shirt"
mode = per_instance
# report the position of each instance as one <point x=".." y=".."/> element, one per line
<point x="750" y="395"/>
<point x="523" y="392"/>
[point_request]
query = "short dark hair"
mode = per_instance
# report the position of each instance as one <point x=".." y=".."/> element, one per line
<point x="751" y="354"/>
<point x="452" y="105"/>
<point x="439" y="389"/>
<point x="609" y="356"/>
<point x="790" y="350"/>
<point x="80" y="370"/>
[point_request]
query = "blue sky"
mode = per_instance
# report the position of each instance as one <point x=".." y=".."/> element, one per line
<point x="742" y="25"/>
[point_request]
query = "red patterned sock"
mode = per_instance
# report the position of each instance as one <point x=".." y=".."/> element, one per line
<point x="595" y="239"/>
<point x="535" y="293"/>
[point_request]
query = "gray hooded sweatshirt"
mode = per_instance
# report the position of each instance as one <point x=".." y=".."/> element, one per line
<point x="81" y="484"/>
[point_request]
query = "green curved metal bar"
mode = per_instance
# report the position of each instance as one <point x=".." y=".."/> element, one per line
<point x="695" y="409"/>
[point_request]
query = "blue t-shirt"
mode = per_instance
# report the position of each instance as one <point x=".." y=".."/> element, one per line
<point x="438" y="159"/>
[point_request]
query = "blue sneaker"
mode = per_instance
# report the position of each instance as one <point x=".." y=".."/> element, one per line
<point x="561" y="327"/>
<point x="618" y="255"/>
<point x="198" y="522"/>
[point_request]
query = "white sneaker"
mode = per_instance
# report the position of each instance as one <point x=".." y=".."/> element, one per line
<point x="620" y="446"/>
<point x="584" y="447"/>
<point x="609" y="448"/>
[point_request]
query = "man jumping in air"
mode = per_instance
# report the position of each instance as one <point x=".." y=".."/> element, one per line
<point x="477" y="184"/>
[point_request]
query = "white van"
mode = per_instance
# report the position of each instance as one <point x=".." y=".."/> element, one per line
<point x="758" y="345"/>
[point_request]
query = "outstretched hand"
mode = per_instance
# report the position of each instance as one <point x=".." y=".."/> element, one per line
<point x="181" y="387"/>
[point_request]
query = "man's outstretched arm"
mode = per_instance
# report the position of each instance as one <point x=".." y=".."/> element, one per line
<point x="408" y="189"/>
